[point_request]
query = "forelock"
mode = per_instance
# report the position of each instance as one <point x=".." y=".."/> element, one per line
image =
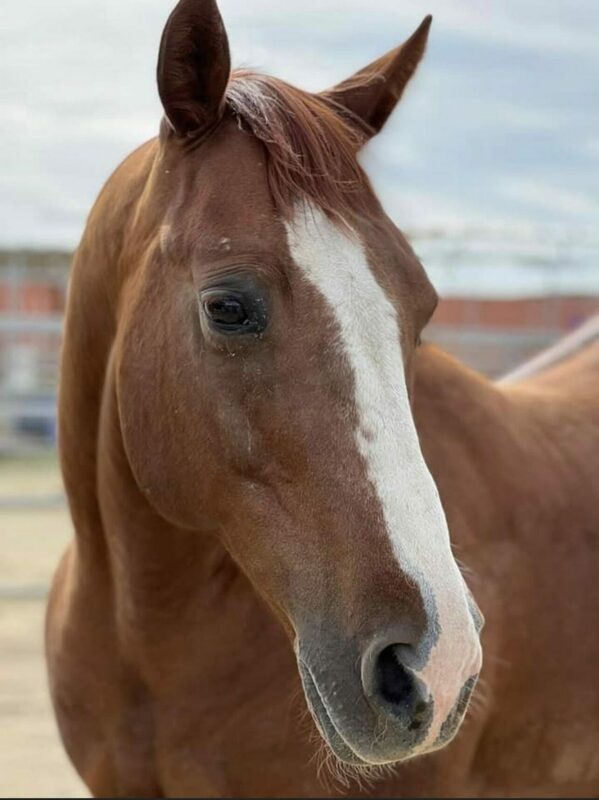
<point x="311" y="146"/>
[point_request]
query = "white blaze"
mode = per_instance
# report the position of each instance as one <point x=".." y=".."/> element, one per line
<point x="337" y="266"/>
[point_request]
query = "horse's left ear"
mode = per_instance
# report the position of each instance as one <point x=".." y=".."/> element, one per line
<point x="193" y="66"/>
<point x="372" y="93"/>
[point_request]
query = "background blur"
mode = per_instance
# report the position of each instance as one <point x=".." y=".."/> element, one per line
<point x="490" y="165"/>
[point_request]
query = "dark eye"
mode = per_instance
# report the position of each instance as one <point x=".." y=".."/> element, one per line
<point x="229" y="311"/>
<point x="226" y="311"/>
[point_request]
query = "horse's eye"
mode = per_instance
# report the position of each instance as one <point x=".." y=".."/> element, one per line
<point x="227" y="311"/>
<point x="230" y="311"/>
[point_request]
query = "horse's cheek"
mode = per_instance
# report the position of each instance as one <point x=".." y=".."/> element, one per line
<point x="160" y="412"/>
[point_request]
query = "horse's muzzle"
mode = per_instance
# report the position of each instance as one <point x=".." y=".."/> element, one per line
<point x="371" y="707"/>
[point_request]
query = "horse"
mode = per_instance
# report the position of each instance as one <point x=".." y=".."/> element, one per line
<point x="264" y="463"/>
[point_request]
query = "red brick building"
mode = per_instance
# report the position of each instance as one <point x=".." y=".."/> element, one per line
<point x="495" y="335"/>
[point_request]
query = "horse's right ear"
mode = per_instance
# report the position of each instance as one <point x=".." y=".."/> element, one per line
<point x="193" y="67"/>
<point x="372" y="93"/>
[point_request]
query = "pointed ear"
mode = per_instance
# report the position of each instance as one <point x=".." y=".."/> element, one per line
<point x="193" y="66"/>
<point x="372" y="93"/>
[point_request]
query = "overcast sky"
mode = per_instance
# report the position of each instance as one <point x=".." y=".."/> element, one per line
<point x="501" y="125"/>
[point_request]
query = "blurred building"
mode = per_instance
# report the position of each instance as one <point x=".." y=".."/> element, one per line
<point x="493" y="336"/>
<point x="32" y="299"/>
<point x="502" y="323"/>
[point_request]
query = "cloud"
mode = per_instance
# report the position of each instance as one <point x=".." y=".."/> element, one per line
<point x="513" y="117"/>
<point x="541" y="195"/>
<point x="591" y="148"/>
<point x="506" y="89"/>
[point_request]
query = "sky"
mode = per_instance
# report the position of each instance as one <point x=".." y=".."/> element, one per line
<point x="500" y="127"/>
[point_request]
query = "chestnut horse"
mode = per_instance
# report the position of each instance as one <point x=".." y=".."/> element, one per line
<point x="263" y="468"/>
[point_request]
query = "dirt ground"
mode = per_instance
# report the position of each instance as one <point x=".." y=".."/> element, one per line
<point x="34" y="528"/>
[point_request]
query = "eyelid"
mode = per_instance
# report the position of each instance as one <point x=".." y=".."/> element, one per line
<point x="236" y="278"/>
<point x="223" y="291"/>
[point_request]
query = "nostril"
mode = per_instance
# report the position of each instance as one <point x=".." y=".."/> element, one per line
<point x="396" y="685"/>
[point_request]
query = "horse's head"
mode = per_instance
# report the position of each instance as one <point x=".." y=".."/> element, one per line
<point x="264" y="371"/>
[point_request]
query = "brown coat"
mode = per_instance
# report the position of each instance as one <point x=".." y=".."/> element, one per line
<point x="173" y="610"/>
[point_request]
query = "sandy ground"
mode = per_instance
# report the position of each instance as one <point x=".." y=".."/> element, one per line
<point x="34" y="528"/>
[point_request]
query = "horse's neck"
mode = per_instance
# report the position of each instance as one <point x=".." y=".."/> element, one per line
<point x="470" y="436"/>
<point x="500" y="452"/>
<point x="512" y="465"/>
